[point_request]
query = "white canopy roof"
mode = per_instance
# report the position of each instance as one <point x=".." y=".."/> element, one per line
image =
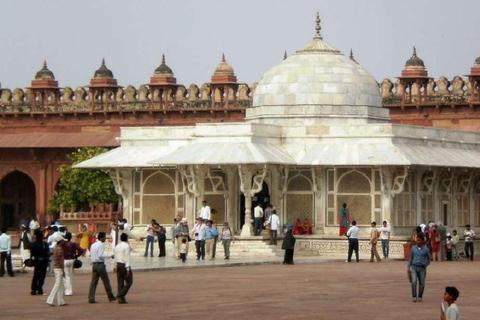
<point x="126" y="157"/>
<point x="226" y="153"/>
<point x="387" y="152"/>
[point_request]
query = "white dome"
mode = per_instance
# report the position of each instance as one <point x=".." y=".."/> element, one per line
<point x="314" y="85"/>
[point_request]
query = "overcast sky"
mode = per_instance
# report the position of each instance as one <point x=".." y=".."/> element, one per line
<point x="73" y="36"/>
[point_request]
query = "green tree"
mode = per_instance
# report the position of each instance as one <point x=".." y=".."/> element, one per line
<point x="83" y="186"/>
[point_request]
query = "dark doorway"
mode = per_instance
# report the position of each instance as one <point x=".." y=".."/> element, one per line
<point x="262" y="197"/>
<point x="17" y="200"/>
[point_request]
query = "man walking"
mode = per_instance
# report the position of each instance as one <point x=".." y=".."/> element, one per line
<point x="374" y="235"/>
<point x="211" y="233"/>
<point x="72" y="251"/>
<point x="59" y="272"/>
<point x="443" y="240"/>
<point x="417" y="267"/>
<point x="258" y="219"/>
<point x="199" y="234"/>
<point x="98" y="269"/>
<point x="274" y="224"/>
<point x="469" y="235"/>
<point x="352" y="235"/>
<point x="385" y="237"/>
<point x="124" y="271"/>
<point x="6" y="253"/>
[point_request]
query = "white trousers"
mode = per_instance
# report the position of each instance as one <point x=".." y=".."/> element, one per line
<point x="68" y="280"/>
<point x="57" y="290"/>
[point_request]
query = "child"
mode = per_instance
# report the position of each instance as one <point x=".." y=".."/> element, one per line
<point x="455" y="240"/>
<point x="450" y="296"/>
<point x="183" y="250"/>
<point x="449" y="246"/>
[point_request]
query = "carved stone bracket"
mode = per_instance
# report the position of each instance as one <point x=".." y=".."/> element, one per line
<point x="464" y="182"/>
<point x="122" y="180"/>
<point x="392" y="181"/>
<point x="284" y="181"/>
<point x="246" y="185"/>
<point x="191" y="177"/>
<point x="428" y="181"/>
<point x="446" y="180"/>
<point x="218" y="183"/>
<point x="318" y="174"/>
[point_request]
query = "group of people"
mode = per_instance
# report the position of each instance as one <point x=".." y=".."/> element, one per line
<point x="442" y="244"/>
<point x="420" y="258"/>
<point x="205" y="234"/>
<point x="381" y="234"/>
<point x="305" y="228"/>
<point x="155" y="233"/>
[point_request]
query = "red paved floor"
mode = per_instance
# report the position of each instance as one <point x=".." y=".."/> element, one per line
<point x="332" y="290"/>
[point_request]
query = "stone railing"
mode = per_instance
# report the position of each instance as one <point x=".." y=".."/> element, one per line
<point x="442" y="90"/>
<point x="128" y="98"/>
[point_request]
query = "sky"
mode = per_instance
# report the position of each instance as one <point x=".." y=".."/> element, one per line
<point x="73" y="36"/>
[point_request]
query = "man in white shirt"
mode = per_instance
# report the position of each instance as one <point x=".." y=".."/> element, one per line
<point x="352" y="235"/>
<point x="198" y="232"/>
<point x="98" y="268"/>
<point x="205" y="211"/>
<point x="469" y="235"/>
<point x="124" y="271"/>
<point x="258" y="222"/>
<point x="34" y="225"/>
<point x="274" y="224"/>
<point x="6" y="253"/>
<point x="385" y="237"/>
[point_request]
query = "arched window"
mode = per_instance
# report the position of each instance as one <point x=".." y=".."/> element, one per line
<point x="299" y="198"/>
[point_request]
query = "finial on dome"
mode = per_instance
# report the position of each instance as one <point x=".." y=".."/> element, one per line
<point x="163" y="59"/>
<point x="318" y="27"/>
<point x="414" y="51"/>
<point x="223" y="58"/>
<point x="103" y="62"/>
<point x="285" y="55"/>
<point x="45" y="64"/>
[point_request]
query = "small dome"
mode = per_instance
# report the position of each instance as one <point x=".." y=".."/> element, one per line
<point x="477" y="61"/>
<point x="103" y="72"/>
<point x="224" y="69"/>
<point x="44" y="73"/>
<point x="415" y="61"/>
<point x="163" y="69"/>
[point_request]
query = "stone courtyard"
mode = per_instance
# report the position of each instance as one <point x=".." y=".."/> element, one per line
<point x="311" y="289"/>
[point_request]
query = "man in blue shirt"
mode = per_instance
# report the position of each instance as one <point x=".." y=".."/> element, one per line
<point x="417" y="267"/>
<point x="211" y="233"/>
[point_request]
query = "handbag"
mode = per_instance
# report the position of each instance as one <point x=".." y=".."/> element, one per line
<point x="77" y="264"/>
<point x="29" y="263"/>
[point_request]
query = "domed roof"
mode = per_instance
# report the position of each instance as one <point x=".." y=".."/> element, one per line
<point x="415" y="61"/>
<point x="316" y="83"/>
<point x="163" y="69"/>
<point x="477" y="61"/>
<point x="224" y="69"/>
<point x="103" y="72"/>
<point x="45" y="73"/>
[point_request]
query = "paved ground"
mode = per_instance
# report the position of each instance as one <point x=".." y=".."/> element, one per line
<point x="311" y="289"/>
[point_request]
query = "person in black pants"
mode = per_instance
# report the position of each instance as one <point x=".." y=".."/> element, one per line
<point x="40" y="253"/>
<point x="6" y="253"/>
<point x="162" y="238"/>
<point x="352" y="235"/>
<point x="289" y="247"/>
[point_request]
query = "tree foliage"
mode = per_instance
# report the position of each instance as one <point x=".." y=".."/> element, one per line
<point x="83" y="186"/>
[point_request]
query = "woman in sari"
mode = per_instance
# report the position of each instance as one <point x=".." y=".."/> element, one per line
<point x="308" y="227"/>
<point x="298" y="228"/>
<point x="344" y="220"/>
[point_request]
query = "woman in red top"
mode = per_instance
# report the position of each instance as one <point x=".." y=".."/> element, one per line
<point x="298" y="228"/>
<point x="435" y="242"/>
